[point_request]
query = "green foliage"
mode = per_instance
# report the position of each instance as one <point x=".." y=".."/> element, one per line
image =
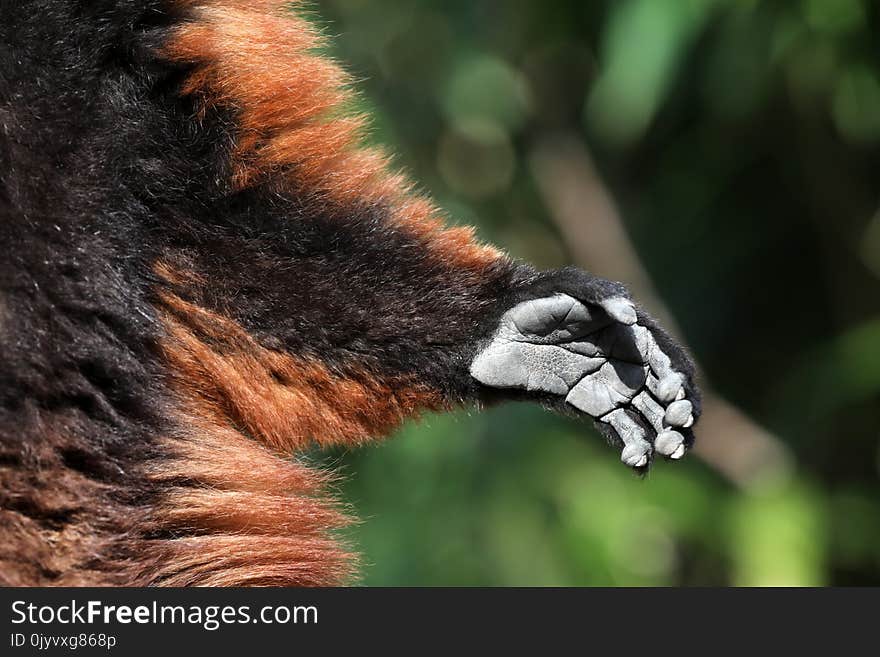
<point x="634" y="80"/>
<point x="778" y="538"/>
<point x="741" y="140"/>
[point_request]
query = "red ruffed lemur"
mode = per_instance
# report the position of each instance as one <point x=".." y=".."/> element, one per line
<point x="204" y="274"/>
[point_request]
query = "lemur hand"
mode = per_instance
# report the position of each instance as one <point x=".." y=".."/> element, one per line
<point x="584" y="341"/>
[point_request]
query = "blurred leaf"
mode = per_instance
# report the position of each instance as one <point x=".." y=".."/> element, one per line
<point x="634" y="80"/>
<point x="856" y="105"/>
<point x="832" y="376"/>
<point x="812" y="68"/>
<point x="856" y="537"/>
<point x="476" y="158"/>
<point x="484" y="87"/>
<point x="778" y="538"/>
<point x="736" y="78"/>
<point x="858" y="360"/>
<point x="869" y="248"/>
<point x="834" y="16"/>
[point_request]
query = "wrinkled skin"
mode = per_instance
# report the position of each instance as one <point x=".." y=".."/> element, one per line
<point x="603" y="357"/>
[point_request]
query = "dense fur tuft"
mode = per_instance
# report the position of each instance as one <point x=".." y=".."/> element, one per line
<point x="261" y="61"/>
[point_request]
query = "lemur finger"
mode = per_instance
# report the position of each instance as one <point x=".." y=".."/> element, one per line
<point x="650" y="410"/>
<point x="651" y="352"/>
<point x="670" y="443"/>
<point x="679" y="414"/>
<point x="671" y="387"/>
<point x="613" y="385"/>
<point x="677" y="382"/>
<point x="668" y="389"/>
<point x="636" y="450"/>
<point x="667" y="442"/>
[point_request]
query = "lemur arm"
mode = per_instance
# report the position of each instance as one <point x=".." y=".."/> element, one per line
<point x="348" y="298"/>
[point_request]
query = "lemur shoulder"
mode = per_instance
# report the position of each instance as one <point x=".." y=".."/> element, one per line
<point x="204" y="274"/>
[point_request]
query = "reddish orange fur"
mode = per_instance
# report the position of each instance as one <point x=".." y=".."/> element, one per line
<point x="233" y="514"/>
<point x="253" y="516"/>
<point x="246" y="516"/>
<point x="283" y="401"/>
<point x="259" y="60"/>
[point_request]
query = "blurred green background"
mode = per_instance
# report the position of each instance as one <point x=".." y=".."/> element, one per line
<point x="737" y="143"/>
